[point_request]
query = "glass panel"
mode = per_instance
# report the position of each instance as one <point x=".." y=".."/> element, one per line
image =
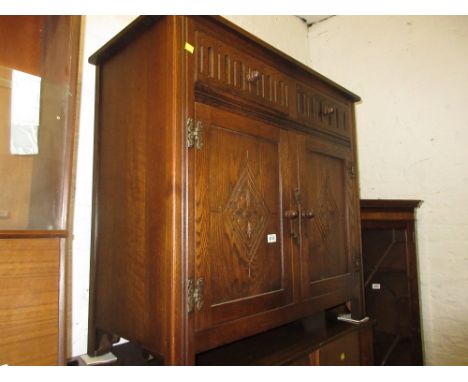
<point x="35" y="132"/>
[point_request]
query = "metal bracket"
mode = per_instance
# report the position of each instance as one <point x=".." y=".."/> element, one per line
<point x="357" y="262"/>
<point x="297" y="236"/>
<point x="346" y="317"/>
<point x="297" y="197"/>
<point x="195" y="295"/>
<point x="190" y="296"/>
<point x="198" y="294"/>
<point x="194" y="134"/>
<point x="352" y="170"/>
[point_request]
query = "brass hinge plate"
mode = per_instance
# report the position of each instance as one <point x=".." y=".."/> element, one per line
<point x="195" y="295"/>
<point x="194" y="134"/>
<point x="198" y="295"/>
<point x="190" y="295"/>
<point x="352" y="170"/>
<point x="357" y="262"/>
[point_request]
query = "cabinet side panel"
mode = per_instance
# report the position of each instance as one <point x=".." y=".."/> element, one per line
<point x="358" y="309"/>
<point x="165" y="186"/>
<point x="128" y="285"/>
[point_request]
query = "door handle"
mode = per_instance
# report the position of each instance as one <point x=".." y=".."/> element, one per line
<point x="295" y="237"/>
<point x="308" y="214"/>
<point x="291" y="214"/>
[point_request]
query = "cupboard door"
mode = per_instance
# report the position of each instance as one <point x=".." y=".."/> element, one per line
<point x="241" y="260"/>
<point x="325" y="254"/>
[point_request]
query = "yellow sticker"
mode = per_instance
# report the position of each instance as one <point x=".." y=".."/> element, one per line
<point x="189" y="48"/>
<point x="342" y="356"/>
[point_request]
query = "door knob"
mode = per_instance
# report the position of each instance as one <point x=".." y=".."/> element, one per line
<point x="291" y="214"/>
<point x="253" y="76"/>
<point x="327" y="110"/>
<point x="308" y="214"/>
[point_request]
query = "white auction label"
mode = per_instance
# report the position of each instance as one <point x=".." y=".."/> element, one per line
<point x="376" y="286"/>
<point x="271" y="238"/>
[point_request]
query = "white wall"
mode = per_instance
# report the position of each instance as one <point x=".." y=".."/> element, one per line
<point x="412" y="74"/>
<point x="287" y="33"/>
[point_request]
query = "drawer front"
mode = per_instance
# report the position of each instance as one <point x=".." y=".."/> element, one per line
<point x="317" y="110"/>
<point x="223" y="67"/>
<point x="341" y="352"/>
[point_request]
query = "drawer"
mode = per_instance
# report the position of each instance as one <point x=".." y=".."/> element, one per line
<point x="344" y="351"/>
<point x="317" y="110"/>
<point x="222" y="66"/>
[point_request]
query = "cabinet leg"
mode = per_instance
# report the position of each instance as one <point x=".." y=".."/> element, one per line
<point x="102" y="343"/>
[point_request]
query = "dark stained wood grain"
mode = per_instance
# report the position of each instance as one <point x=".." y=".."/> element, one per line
<point x="127" y="35"/>
<point x="234" y="103"/>
<point x="223" y="66"/>
<point x="121" y="165"/>
<point x="315" y="109"/>
<point x="275" y="53"/>
<point x="390" y="204"/>
<point x="239" y="188"/>
<point x="343" y="351"/>
<point x="137" y="246"/>
<point x="250" y="325"/>
<point x="358" y="310"/>
<point x="325" y="233"/>
<point x="391" y="281"/>
<point x="168" y="216"/>
<point x="386" y="210"/>
<point x="294" y="344"/>
<point x="366" y="346"/>
<point x="123" y="38"/>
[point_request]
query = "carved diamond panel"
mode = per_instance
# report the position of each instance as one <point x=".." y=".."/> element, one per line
<point x="328" y="211"/>
<point x="246" y="216"/>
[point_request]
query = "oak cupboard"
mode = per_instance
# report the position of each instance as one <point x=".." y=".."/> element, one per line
<point x="225" y="190"/>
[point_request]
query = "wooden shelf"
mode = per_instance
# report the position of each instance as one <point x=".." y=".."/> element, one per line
<point x="279" y="346"/>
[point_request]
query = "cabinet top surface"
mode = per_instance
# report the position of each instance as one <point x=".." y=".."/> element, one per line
<point x="142" y="23"/>
<point x="390" y="204"/>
